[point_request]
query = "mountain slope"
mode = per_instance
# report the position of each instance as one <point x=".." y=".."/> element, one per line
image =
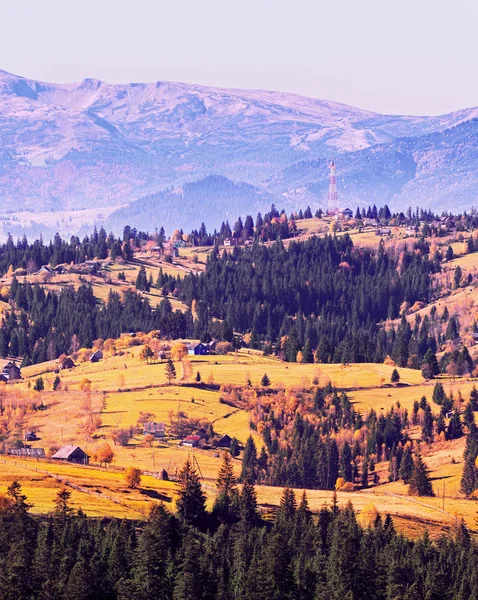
<point x="88" y="144"/>
<point x="214" y="198"/>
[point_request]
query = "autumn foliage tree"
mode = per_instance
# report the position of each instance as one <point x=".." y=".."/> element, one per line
<point x="104" y="454"/>
<point x="132" y="477"/>
<point x="146" y="353"/>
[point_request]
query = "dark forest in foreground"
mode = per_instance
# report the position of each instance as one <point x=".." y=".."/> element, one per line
<point x="230" y="553"/>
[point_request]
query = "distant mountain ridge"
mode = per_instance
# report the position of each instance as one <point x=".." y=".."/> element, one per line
<point x="92" y="144"/>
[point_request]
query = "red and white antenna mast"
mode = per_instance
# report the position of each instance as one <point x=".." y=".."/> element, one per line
<point x="332" y="204"/>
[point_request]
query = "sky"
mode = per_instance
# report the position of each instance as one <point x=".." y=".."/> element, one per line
<point x="416" y="57"/>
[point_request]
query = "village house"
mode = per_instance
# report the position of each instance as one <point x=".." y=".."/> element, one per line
<point x="156" y="429"/>
<point x="72" y="454"/>
<point x="197" y="349"/>
<point x="223" y="442"/>
<point x="192" y="441"/>
<point x="346" y="214"/>
<point x="10" y="372"/>
<point x="96" y="356"/>
<point x="227" y="242"/>
<point x="66" y="363"/>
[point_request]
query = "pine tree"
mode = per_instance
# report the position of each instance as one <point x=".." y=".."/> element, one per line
<point x="468" y="478"/>
<point x="225" y="504"/>
<point x="455" y="429"/>
<point x="170" y="371"/>
<point x="420" y="484"/>
<point x="438" y="393"/>
<point x="406" y="465"/>
<point x="39" y="385"/>
<point x="346" y="463"/>
<point x="63" y="508"/>
<point x="249" y="461"/>
<point x="234" y="447"/>
<point x="189" y="581"/>
<point x="265" y="381"/>
<point x="395" y="378"/>
<point x="248" y="504"/>
<point x="427" y="428"/>
<point x="191" y="504"/>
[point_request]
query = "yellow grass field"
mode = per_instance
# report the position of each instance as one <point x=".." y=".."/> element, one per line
<point x="229" y="369"/>
<point x="123" y="387"/>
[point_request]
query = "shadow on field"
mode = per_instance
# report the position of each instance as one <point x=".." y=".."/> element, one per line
<point x="155" y="495"/>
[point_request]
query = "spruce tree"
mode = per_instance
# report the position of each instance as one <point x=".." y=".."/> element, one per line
<point x="191" y="504"/>
<point x="438" y="393"/>
<point x="346" y="463"/>
<point x="249" y="461"/>
<point x="468" y="478"/>
<point x="420" y="484"/>
<point x="406" y="465"/>
<point x="248" y="504"/>
<point x="225" y="503"/>
<point x="454" y="429"/>
<point x="395" y="378"/>
<point x="170" y="371"/>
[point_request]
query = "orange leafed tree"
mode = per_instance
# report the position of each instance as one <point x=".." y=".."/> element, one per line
<point x="179" y="351"/>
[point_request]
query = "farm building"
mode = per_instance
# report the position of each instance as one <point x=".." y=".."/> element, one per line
<point x="346" y="213"/>
<point x="192" y="441"/>
<point x="156" y="429"/>
<point x="223" y="442"/>
<point x="29" y="452"/>
<point x="66" y="362"/>
<point x="96" y="356"/>
<point x="10" y="372"/>
<point x="30" y="436"/>
<point x="72" y="454"/>
<point x="198" y="349"/>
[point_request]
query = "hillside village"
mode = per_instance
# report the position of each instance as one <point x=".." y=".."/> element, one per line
<point x="152" y="401"/>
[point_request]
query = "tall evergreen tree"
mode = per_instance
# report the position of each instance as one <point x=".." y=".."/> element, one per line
<point x="191" y="504"/>
<point x="420" y="484"/>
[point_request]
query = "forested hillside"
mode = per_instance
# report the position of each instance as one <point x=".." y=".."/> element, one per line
<point x="322" y="296"/>
<point x="322" y="300"/>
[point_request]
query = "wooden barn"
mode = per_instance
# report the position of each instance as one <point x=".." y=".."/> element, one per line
<point x="72" y="454"/>
<point x="96" y="356"/>
<point x="10" y="372"/>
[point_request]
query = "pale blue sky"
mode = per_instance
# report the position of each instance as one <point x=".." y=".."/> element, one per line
<point x="402" y="57"/>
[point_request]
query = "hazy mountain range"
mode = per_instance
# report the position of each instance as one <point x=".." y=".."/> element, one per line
<point x="176" y="154"/>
